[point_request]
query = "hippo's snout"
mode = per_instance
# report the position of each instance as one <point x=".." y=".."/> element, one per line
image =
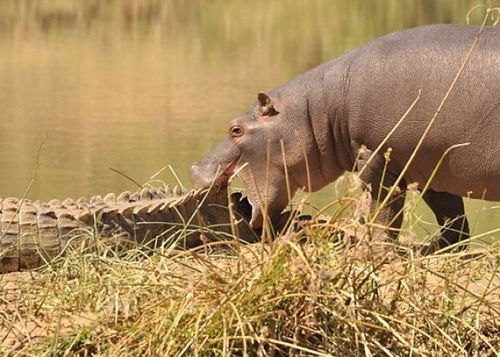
<point x="215" y="169"/>
<point x="202" y="176"/>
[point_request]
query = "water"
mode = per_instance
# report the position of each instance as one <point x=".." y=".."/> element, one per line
<point x="138" y="85"/>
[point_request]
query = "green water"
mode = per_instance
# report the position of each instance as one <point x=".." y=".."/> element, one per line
<point x="138" y="85"/>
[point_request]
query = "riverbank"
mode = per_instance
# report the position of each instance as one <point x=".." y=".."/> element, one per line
<point x="330" y="289"/>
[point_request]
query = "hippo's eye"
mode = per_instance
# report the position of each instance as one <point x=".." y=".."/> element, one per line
<point x="236" y="131"/>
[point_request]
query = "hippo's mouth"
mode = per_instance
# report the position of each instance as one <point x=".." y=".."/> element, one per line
<point x="223" y="180"/>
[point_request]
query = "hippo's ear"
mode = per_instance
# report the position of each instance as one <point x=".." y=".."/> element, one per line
<point x="265" y="105"/>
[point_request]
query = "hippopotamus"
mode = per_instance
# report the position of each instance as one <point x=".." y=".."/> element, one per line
<point x="366" y="111"/>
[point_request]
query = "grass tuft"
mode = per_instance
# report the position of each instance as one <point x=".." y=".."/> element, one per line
<point x="333" y="288"/>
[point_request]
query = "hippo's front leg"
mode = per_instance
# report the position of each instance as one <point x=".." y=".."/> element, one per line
<point x="450" y="214"/>
<point x="378" y="178"/>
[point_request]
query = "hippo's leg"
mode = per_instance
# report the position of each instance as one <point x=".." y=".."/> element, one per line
<point x="378" y="177"/>
<point x="450" y="214"/>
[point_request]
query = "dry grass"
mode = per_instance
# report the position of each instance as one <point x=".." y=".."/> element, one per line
<point x="330" y="289"/>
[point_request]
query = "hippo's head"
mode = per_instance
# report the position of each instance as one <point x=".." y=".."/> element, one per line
<point x="262" y="146"/>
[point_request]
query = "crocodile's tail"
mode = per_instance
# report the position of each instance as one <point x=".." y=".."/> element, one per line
<point x="32" y="233"/>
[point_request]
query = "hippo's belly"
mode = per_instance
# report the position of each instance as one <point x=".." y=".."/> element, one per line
<point x="463" y="171"/>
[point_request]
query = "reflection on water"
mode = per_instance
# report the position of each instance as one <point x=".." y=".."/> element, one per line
<point x="139" y="84"/>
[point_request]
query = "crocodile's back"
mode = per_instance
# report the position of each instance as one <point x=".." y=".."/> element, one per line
<point x="32" y="233"/>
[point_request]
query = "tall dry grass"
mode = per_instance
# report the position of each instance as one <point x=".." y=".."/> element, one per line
<point x="330" y="288"/>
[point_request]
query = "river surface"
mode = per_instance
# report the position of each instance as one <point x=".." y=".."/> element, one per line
<point x="89" y="85"/>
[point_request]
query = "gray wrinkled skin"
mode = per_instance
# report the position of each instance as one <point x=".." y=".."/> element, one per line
<point x="324" y="116"/>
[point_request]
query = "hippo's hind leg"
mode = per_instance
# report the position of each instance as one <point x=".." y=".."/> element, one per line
<point x="378" y="177"/>
<point x="450" y="214"/>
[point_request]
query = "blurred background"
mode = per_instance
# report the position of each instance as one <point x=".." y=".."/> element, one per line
<point x="140" y="84"/>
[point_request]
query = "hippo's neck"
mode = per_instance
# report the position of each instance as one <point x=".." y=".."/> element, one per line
<point x="318" y="97"/>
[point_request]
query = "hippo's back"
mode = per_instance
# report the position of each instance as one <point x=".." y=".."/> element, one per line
<point x="386" y="76"/>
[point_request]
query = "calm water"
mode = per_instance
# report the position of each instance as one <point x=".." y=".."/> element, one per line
<point x="138" y="85"/>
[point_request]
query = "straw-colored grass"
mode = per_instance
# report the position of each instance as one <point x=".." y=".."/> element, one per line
<point x="330" y="289"/>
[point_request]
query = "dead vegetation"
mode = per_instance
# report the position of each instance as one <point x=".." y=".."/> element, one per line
<point x="332" y="288"/>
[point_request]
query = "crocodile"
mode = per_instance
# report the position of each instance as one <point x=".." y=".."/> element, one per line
<point x="34" y="232"/>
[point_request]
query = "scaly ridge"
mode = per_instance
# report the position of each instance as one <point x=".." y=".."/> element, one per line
<point x="32" y="233"/>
